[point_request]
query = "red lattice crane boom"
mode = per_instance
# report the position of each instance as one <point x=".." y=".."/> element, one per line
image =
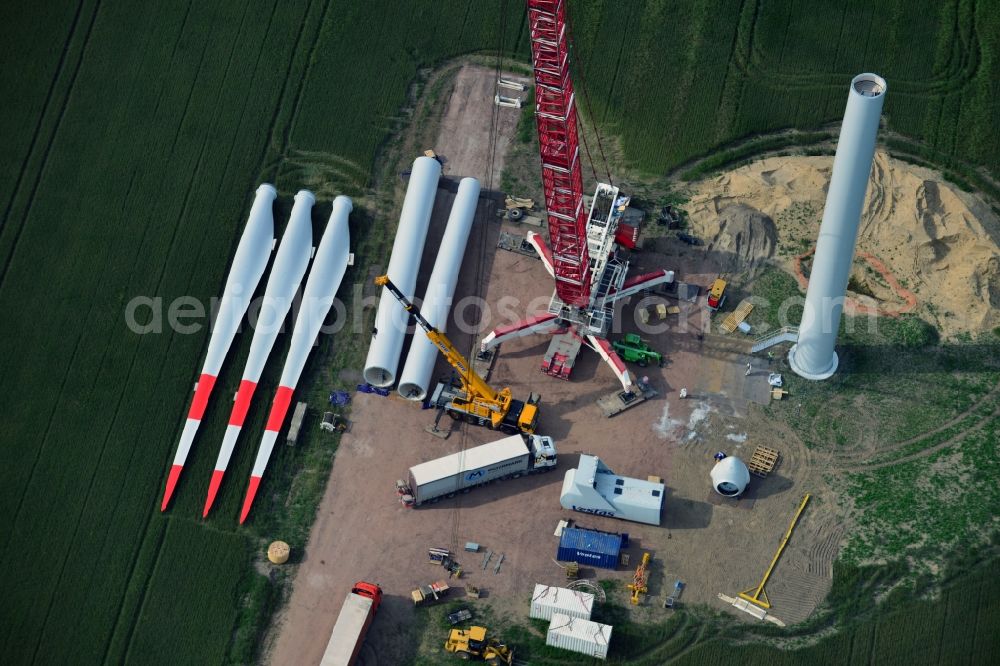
<point x="560" y="151"/>
<point x="582" y="253"/>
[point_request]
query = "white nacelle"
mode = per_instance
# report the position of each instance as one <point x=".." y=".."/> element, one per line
<point x="730" y="477"/>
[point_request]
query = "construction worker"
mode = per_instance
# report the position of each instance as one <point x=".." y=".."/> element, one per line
<point x="749" y="369"/>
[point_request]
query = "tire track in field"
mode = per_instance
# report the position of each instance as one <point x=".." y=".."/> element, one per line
<point x="192" y="89"/>
<point x="87" y="318"/>
<point x="152" y="513"/>
<point x="942" y="637"/>
<point x="93" y="301"/>
<point x="134" y="191"/>
<point x="618" y="61"/>
<point x="699" y="637"/>
<point x="9" y="259"/>
<point x="145" y="591"/>
<point x="123" y="391"/>
<point x="131" y="572"/>
<point x="687" y="77"/>
<point x="145" y="526"/>
<point x="735" y="64"/>
<point x="121" y="396"/>
<point x="82" y="505"/>
<point x="166" y="357"/>
<point x="43" y="114"/>
<point x="272" y="125"/>
<point x="173" y="54"/>
<point x="957" y="439"/>
<point x="246" y="103"/>
<point x="960" y="69"/>
<point x="853" y="456"/>
<point x="297" y="99"/>
<point x="465" y="20"/>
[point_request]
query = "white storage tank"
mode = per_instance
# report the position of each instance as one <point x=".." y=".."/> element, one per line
<point x="578" y="635"/>
<point x="548" y="600"/>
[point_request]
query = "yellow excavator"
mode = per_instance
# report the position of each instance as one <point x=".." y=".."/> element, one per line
<point x="474" y="400"/>
<point x="472" y="642"/>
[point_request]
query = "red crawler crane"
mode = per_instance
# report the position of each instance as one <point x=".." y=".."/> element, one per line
<point x="581" y="255"/>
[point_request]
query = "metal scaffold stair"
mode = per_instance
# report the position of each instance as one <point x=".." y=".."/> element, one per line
<point x="785" y="334"/>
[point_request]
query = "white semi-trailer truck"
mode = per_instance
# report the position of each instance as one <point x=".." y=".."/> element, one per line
<point x="507" y="458"/>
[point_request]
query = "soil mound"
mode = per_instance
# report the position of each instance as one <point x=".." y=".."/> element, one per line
<point x="743" y="239"/>
<point x="938" y="242"/>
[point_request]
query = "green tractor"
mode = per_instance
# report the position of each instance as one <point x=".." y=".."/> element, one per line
<point x="633" y="349"/>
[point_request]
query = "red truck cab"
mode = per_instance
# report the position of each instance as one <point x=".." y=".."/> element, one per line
<point x="370" y="590"/>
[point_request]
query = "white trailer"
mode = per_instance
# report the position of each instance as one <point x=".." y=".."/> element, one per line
<point x="507" y="458"/>
<point x="594" y="488"/>
<point x="352" y="624"/>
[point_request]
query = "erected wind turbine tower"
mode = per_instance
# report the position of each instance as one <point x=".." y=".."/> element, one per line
<point x="813" y="356"/>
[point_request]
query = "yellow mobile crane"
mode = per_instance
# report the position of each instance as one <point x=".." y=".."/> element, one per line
<point x="474" y="401"/>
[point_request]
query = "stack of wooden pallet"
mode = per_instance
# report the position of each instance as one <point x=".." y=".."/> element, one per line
<point x="763" y="461"/>
<point x="737" y="316"/>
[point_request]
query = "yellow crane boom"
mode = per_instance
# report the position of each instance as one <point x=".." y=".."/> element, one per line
<point x="757" y="595"/>
<point x="478" y="400"/>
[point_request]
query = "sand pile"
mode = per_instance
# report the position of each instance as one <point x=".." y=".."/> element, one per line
<point x="938" y="242"/>
<point x="743" y="238"/>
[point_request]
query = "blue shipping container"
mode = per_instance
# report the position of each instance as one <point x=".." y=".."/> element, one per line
<point x="597" y="549"/>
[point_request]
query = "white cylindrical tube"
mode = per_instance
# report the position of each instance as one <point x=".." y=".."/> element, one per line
<point x="404" y="263"/>
<point x="416" y="376"/>
<point x="813" y="355"/>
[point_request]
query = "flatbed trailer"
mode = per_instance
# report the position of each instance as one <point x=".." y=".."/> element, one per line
<point x="617" y="402"/>
<point x="561" y="355"/>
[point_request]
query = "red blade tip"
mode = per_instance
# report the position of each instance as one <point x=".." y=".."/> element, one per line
<point x="213" y="489"/>
<point x="248" y="500"/>
<point x="175" y="473"/>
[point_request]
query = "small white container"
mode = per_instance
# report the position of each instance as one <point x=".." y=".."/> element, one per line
<point x="577" y="635"/>
<point x="548" y="600"/>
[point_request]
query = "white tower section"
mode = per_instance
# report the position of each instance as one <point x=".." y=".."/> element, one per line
<point x="813" y="356"/>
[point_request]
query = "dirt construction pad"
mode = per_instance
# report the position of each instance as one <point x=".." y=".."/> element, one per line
<point x="363" y="533"/>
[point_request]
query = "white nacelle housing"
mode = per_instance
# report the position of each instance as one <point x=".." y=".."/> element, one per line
<point x="730" y="477"/>
<point x="594" y="488"/>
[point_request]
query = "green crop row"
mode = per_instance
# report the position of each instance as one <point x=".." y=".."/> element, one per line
<point x="367" y="58"/>
<point x="675" y="81"/>
<point x="148" y="158"/>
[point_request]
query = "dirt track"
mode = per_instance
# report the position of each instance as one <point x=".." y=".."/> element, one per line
<point x="362" y="532"/>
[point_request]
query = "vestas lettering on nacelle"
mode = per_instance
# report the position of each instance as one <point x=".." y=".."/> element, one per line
<point x="596" y="512"/>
